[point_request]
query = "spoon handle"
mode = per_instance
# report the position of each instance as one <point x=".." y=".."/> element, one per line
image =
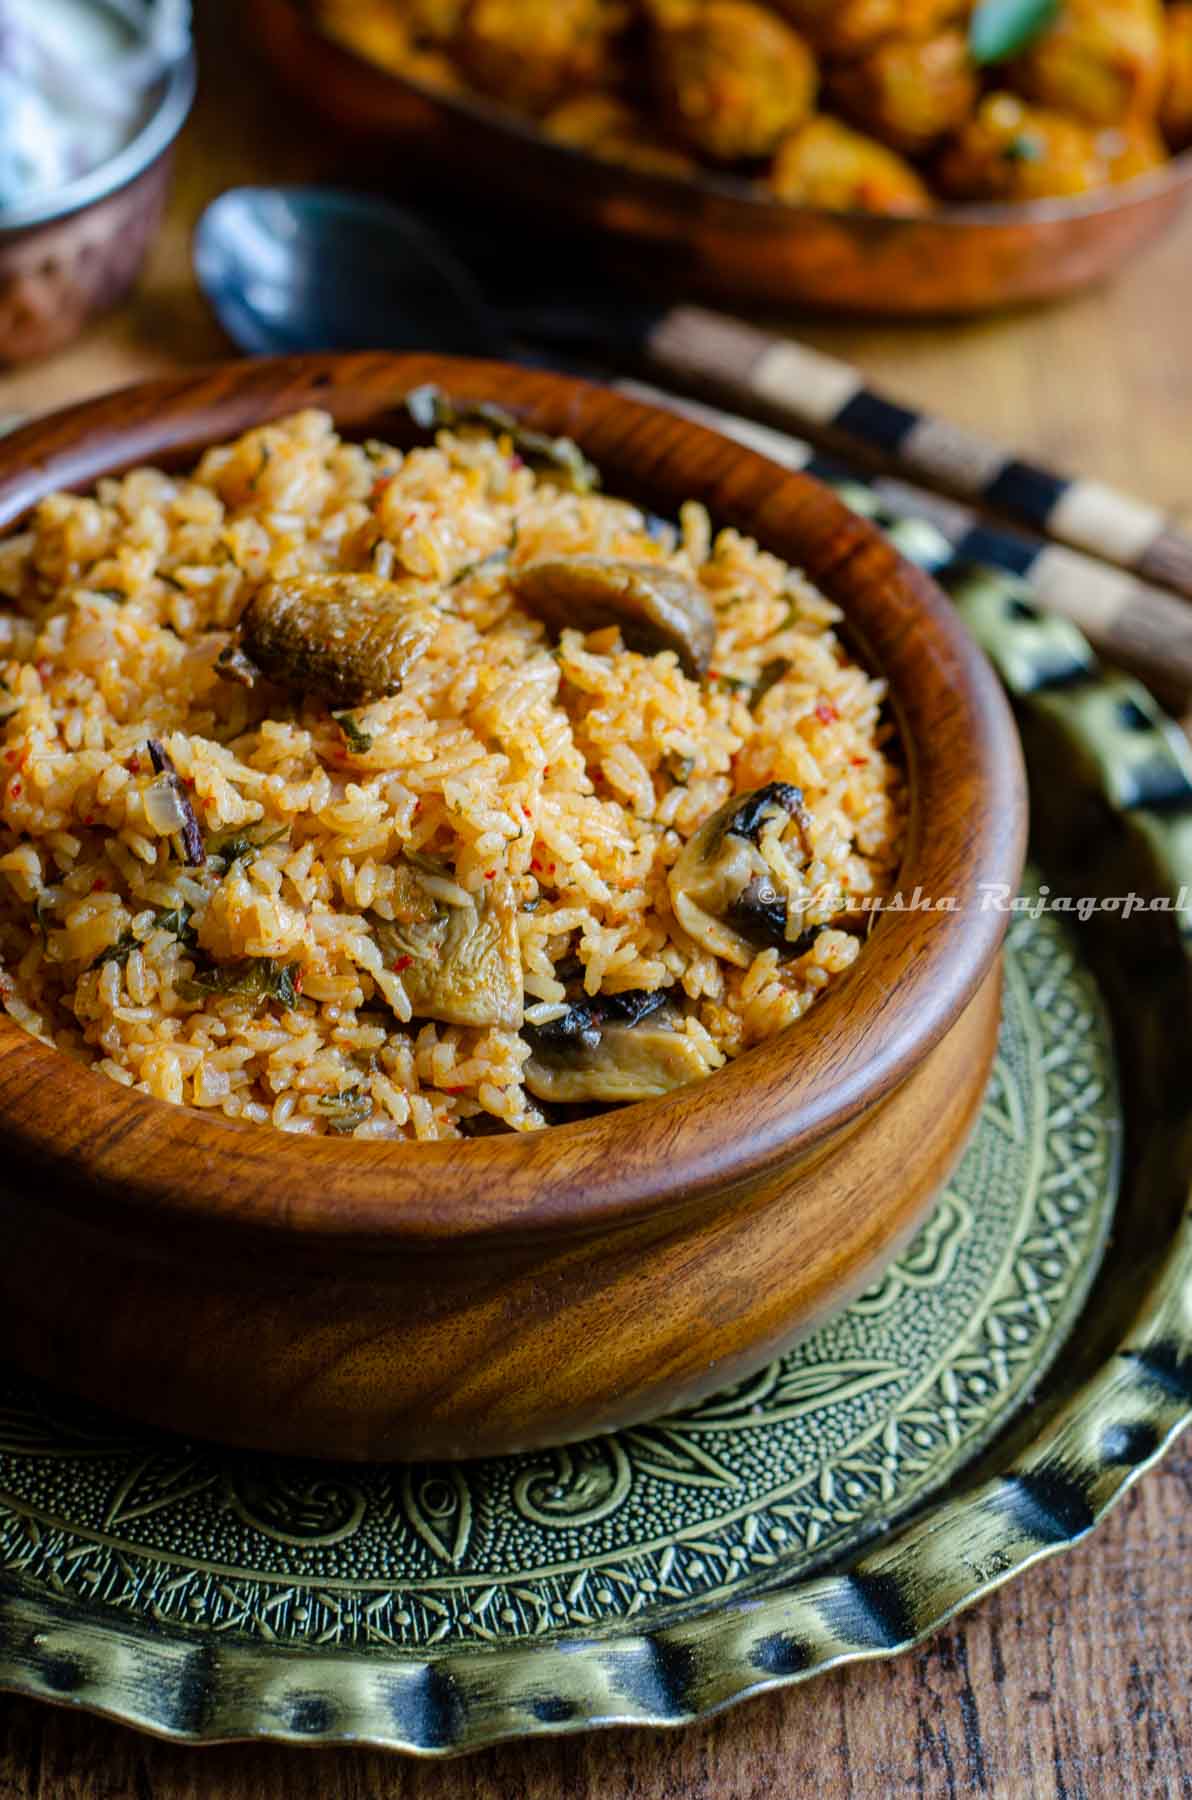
<point x="1128" y="621"/>
<point x="801" y="387"/>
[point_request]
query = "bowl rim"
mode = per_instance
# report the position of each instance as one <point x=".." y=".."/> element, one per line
<point x="65" y="1124"/>
<point x="176" y="95"/>
<point x="755" y="201"/>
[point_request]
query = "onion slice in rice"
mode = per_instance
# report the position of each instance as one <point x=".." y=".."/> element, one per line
<point x="167" y="799"/>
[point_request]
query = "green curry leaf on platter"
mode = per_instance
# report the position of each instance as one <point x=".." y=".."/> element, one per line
<point x="999" y="29"/>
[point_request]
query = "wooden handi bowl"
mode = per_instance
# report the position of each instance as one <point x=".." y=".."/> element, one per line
<point x="381" y="1300"/>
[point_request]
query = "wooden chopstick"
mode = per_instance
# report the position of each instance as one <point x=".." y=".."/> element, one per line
<point x="812" y="392"/>
<point x="1127" y="620"/>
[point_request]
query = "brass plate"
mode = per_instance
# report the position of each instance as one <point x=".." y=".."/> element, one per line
<point x="778" y="1528"/>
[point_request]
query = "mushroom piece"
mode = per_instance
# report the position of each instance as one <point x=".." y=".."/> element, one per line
<point x="462" y="965"/>
<point x="558" y="457"/>
<point x="581" y="1026"/>
<point x="722" y="886"/>
<point x="617" y="1061"/>
<point x="345" y="638"/>
<point x="654" y="607"/>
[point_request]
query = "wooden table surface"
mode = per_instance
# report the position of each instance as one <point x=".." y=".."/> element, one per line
<point x="1076" y="1680"/>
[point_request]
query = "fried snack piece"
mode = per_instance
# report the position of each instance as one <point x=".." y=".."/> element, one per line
<point x="849" y="27"/>
<point x="1101" y="61"/>
<point x="1132" y="148"/>
<point x="825" y="163"/>
<point x="908" y="92"/>
<point x="605" y="125"/>
<point x="1012" y="151"/>
<point x="733" y="79"/>
<point x="373" y="28"/>
<point x="659" y="14"/>
<point x="379" y="31"/>
<point x="1175" y="113"/>
<point x="534" y="53"/>
<point x="432" y="21"/>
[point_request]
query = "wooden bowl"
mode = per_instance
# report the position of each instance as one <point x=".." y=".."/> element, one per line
<point x="453" y="1299"/>
<point x="715" y="235"/>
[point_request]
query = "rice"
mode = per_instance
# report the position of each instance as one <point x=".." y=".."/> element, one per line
<point x="565" y="777"/>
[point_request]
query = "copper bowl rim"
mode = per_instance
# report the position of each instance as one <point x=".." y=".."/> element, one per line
<point x="176" y="96"/>
<point x="1172" y="175"/>
<point x="61" y="1122"/>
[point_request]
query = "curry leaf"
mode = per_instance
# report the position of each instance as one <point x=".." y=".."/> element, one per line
<point x="256" y="978"/>
<point x="238" y="845"/>
<point x="346" y="1110"/>
<point x="177" y="922"/>
<point x="117" y="953"/>
<point x="1001" y="28"/>
<point x="432" y="410"/>
<point x="358" y="741"/>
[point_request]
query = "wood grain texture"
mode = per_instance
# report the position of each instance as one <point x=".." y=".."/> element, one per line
<point x="468" y="1299"/>
<point x="1074" y="1682"/>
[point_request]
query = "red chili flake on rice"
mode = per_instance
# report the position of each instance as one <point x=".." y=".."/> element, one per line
<point x="827" y="715"/>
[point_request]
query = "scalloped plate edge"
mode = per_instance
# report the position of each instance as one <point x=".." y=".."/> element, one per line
<point x="1114" y="1428"/>
<point x="897" y="1594"/>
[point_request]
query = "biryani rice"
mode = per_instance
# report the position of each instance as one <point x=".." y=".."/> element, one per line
<point x="569" y="774"/>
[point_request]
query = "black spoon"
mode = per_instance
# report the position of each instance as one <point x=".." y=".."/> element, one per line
<point x="308" y="268"/>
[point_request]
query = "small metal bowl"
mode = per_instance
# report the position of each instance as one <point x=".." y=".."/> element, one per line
<point x="76" y="250"/>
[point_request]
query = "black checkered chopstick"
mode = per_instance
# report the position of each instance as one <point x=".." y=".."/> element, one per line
<point x="817" y="393"/>
<point x="1126" y="619"/>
